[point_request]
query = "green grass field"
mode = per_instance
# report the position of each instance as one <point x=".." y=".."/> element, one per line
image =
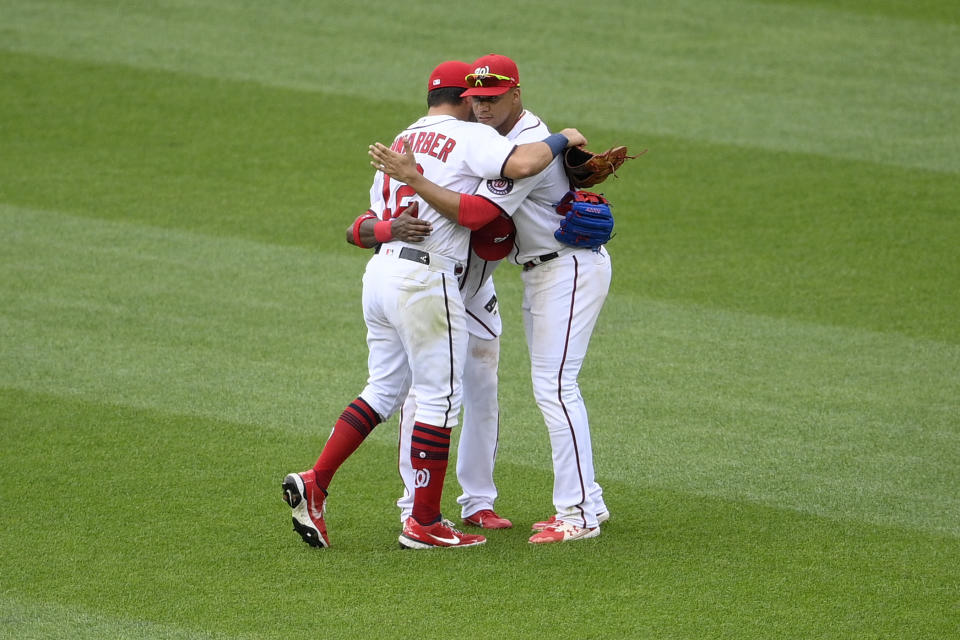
<point x="774" y="383"/>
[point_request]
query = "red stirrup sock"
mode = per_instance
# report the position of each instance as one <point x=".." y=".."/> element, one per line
<point x="429" y="450"/>
<point x="355" y="424"/>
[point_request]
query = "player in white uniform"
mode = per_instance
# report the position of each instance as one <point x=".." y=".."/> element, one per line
<point x="415" y="318"/>
<point x="479" y="434"/>
<point x="564" y="289"/>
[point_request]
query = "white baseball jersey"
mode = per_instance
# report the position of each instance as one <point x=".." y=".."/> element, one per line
<point x="531" y="202"/>
<point x="412" y="305"/>
<point x="454" y="154"/>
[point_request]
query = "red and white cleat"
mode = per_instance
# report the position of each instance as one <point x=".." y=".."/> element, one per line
<point x="543" y="524"/>
<point x="562" y="531"/>
<point x="308" y="502"/>
<point x="437" y="535"/>
<point x="487" y="519"/>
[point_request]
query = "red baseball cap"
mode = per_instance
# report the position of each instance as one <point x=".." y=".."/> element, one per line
<point x="494" y="240"/>
<point x="492" y="75"/>
<point x="451" y="73"/>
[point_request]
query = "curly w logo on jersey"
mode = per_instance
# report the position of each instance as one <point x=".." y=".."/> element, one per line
<point x="500" y="186"/>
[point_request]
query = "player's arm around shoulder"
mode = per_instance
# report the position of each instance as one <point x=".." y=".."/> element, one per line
<point x="360" y="231"/>
<point x="368" y="230"/>
<point x="533" y="157"/>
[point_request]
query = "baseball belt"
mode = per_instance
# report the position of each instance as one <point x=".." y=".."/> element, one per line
<point x="420" y="257"/>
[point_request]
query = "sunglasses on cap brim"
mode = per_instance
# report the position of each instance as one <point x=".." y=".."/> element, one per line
<point x="477" y="79"/>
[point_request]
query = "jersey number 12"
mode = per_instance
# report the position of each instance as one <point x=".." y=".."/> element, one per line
<point x="401" y="197"/>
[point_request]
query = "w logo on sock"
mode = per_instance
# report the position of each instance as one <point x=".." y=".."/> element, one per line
<point x="421" y="478"/>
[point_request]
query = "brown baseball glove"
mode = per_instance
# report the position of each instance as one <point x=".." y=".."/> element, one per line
<point x="585" y="168"/>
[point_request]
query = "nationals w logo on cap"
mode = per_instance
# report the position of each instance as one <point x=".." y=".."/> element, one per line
<point x="493" y="75"/>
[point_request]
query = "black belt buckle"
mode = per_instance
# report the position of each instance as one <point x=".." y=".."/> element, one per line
<point x="415" y="255"/>
<point x="547" y="257"/>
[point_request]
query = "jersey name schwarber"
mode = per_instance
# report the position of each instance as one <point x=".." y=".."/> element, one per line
<point x="431" y="143"/>
<point x="453" y="154"/>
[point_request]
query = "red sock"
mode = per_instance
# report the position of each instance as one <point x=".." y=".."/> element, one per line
<point x="355" y="424"/>
<point x="429" y="451"/>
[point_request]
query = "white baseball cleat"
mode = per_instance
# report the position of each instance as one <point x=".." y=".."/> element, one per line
<point x="438" y="534"/>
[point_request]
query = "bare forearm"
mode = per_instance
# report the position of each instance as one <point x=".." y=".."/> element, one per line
<point x="470" y="211"/>
<point x="445" y="201"/>
<point x="368" y="230"/>
<point x="360" y="232"/>
<point x="530" y="159"/>
<point x="527" y="160"/>
<point x="367" y="237"/>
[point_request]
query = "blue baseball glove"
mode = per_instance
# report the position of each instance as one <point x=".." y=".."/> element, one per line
<point x="587" y="222"/>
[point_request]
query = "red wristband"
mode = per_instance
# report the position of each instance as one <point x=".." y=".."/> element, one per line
<point x="382" y="231"/>
<point x="367" y="215"/>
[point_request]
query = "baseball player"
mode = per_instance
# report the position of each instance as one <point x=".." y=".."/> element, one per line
<point x="564" y="289"/>
<point x="479" y="435"/>
<point x="414" y="313"/>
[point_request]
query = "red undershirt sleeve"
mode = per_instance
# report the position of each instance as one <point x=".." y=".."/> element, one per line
<point x="476" y="211"/>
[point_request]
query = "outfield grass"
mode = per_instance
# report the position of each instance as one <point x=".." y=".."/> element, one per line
<point x="773" y="384"/>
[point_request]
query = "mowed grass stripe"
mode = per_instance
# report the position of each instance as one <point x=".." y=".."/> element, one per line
<point x="174" y="225"/>
<point x="935" y="11"/>
<point x="43" y="620"/>
<point x="872" y="84"/>
<point x="174" y="150"/>
<point x="801" y="236"/>
<point x="726" y="404"/>
<point x="185" y="528"/>
<point x="841" y="423"/>
<point x="227" y="328"/>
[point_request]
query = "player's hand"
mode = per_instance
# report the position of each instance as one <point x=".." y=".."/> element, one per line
<point x="574" y="138"/>
<point x="408" y="227"/>
<point x="399" y="166"/>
